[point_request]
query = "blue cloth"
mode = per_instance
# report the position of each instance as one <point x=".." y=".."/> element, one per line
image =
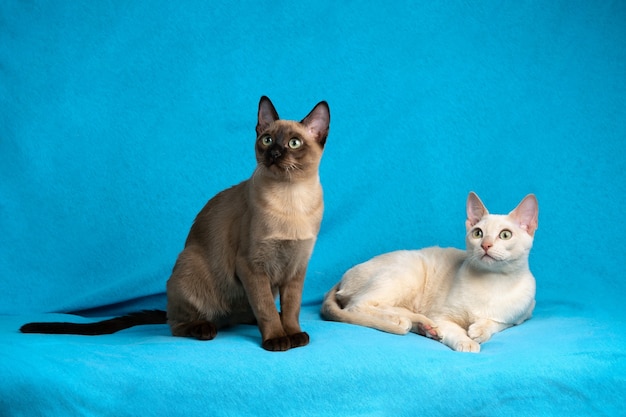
<point x="119" y="120"/>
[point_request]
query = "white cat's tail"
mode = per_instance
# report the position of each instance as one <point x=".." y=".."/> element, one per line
<point x="331" y="310"/>
<point x="389" y="322"/>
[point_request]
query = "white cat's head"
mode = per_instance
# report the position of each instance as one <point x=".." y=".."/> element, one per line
<point x="500" y="242"/>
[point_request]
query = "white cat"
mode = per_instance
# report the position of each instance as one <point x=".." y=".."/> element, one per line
<point x="458" y="297"/>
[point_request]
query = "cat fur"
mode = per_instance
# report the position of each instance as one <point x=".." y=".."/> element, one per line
<point x="458" y="297"/>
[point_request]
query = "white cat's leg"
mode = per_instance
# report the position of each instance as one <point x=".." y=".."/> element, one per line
<point x="371" y="314"/>
<point x="483" y="329"/>
<point x="424" y="326"/>
<point x="455" y="337"/>
<point x="420" y="324"/>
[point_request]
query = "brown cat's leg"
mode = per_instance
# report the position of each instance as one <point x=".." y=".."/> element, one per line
<point x="261" y="300"/>
<point x="274" y="337"/>
<point x="200" y="329"/>
<point x="184" y="318"/>
<point x="185" y="321"/>
<point x="290" y="302"/>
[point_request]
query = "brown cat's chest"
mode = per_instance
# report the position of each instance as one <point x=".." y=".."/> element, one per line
<point x="289" y="212"/>
<point x="283" y="259"/>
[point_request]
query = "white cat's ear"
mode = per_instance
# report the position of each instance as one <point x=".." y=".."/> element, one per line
<point x="267" y="115"/>
<point x="476" y="210"/>
<point x="526" y="214"/>
<point x="318" y="122"/>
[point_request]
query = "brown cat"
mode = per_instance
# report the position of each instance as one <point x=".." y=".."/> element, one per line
<point x="249" y="244"/>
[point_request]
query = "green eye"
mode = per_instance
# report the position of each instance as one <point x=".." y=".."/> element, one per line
<point x="477" y="233"/>
<point x="295" y="143"/>
<point x="267" y="140"/>
<point x="506" y="234"/>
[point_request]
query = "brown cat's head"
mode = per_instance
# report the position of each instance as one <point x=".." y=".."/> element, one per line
<point x="287" y="149"/>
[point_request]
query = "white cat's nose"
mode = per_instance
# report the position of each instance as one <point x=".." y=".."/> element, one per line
<point x="486" y="244"/>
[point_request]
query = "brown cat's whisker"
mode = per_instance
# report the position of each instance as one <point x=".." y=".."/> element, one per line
<point x="254" y="236"/>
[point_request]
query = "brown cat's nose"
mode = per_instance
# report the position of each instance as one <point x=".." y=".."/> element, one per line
<point x="275" y="153"/>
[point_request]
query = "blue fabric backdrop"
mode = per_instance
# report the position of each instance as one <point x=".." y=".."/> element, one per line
<point x="119" y="120"/>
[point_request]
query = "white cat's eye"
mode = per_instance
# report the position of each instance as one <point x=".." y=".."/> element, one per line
<point x="477" y="233"/>
<point x="295" y="143"/>
<point x="266" y="140"/>
<point x="506" y="234"/>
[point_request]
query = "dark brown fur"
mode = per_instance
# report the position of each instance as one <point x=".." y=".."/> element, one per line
<point x="101" y="327"/>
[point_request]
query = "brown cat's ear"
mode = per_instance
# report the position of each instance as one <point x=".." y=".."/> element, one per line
<point x="267" y="115"/>
<point x="318" y="122"/>
<point x="526" y="214"/>
<point x="476" y="210"/>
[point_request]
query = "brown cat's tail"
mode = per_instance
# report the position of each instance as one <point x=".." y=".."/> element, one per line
<point x="100" y="327"/>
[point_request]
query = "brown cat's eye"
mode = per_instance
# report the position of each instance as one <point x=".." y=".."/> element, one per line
<point x="295" y="143"/>
<point x="267" y="140"/>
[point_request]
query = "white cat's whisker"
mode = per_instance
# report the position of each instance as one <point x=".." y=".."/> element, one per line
<point x="460" y="297"/>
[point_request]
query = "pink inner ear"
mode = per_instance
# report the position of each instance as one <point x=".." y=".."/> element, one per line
<point x="525" y="214"/>
<point x="316" y="129"/>
<point x="266" y="116"/>
<point x="317" y="122"/>
<point x="476" y="210"/>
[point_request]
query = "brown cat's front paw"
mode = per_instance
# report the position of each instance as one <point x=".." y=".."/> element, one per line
<point x="202" y="330"/>
<point x="277" y="344"/>
<point x="299" y="339"/>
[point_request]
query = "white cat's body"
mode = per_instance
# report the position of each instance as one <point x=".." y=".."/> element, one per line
<point x="459" y="297"/>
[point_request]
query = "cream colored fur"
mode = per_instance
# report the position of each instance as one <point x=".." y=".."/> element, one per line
<point x="458" y="297"/>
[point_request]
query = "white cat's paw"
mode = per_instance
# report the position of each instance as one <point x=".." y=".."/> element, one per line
<point x="405" y="324"/>
<point x="479" y="333"/>
<point x="467" y="346"/>
<point x="426" y="329"/>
